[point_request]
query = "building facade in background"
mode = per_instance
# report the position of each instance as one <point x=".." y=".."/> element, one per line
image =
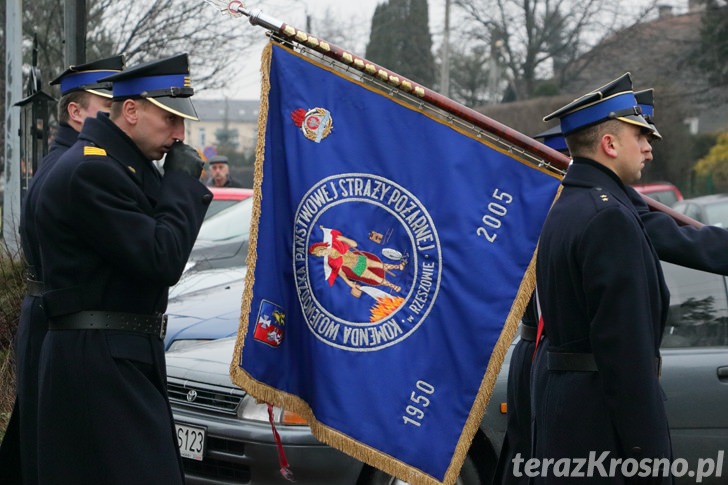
<point x="227" y="124"/>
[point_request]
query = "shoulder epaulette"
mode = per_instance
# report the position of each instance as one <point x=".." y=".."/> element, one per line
<point x="94" y="151"/>
<point x="603" y="198"/>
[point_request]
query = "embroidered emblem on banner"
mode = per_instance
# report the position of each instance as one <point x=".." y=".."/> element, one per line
<point x="316" y="124"/>
<point x="270" y="326"/>
<point x="367" y="261"/>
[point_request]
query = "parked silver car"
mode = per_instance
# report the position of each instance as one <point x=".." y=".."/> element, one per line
<point x="226" y="438"/>
<point x="708" y="209"/>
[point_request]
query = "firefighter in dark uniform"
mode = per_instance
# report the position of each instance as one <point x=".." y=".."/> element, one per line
<point x="115" y="235"/>
<point x="603" y="297"/>
<point x="702" y="249"/>
<point x="82" y="96"/>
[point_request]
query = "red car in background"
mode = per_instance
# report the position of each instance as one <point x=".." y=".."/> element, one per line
<point x="663" y="192"/>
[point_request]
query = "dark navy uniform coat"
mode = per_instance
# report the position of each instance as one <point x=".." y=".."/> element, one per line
<point x="602" y="292"/>
<point x="114" y="235"/>
<point x="32" y="327"/>
<point x="703" y="249"/>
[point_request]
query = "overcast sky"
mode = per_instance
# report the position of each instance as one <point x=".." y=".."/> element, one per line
<point x="293" y="12"/>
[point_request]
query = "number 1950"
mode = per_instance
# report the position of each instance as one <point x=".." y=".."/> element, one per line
<point x="415" y="411"/>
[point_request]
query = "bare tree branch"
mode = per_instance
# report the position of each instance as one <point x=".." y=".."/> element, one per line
<point x="542" y="38"/>
<point x="217" y="44"/>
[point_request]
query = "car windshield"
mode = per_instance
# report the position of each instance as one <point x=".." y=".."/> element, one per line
<point x="667" y="197"/>
<point x="229" y="223"/>
<point x="218" y="205"/>
<point x="717" y="214"/>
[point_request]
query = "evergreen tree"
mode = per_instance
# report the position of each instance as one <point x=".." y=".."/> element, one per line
<point x="400" y="40"/>
<point x="714" y="42"/>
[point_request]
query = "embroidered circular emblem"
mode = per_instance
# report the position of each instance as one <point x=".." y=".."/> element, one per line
<point x="316" y="124"/>
<point x="367" y="262"/>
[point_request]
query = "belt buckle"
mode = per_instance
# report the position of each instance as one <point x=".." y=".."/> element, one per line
<point x="163" y="328"/>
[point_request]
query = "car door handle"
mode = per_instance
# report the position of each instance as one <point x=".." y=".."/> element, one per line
<point x="723" y="373"/>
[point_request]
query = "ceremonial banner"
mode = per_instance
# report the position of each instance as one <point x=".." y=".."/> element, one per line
<point x="391" y="258"/>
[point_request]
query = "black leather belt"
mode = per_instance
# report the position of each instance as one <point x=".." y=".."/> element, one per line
<point x="528" y="333"/>
<point x="101" y="320"/>
<point x="561" y="361"/>
<point x="35" y="288"/>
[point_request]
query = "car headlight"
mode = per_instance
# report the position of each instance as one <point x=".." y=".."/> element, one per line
<point x="252" y="410"/>
<point x="184" y="343"/>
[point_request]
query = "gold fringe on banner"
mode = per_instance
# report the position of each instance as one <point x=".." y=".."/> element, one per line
<point x="330" y="436"/>
<point x="251" y="258"/>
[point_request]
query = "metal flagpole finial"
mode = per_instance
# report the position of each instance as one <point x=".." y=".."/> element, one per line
<point x="235" y="8"/>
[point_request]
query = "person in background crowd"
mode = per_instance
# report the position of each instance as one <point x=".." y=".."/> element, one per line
<point x="114" y="236"/>
<point x="82" y="96"/>
<point x="220" y="173"/>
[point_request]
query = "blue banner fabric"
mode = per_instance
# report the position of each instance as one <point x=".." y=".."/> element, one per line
<point x="388" y="250"/>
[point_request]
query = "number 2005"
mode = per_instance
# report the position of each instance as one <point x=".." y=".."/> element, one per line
<point x="415" y="411"/>
<point x="494" y="218"/>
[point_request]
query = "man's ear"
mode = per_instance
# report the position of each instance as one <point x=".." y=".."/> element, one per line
<point x="74" y="112"/>
<point x="130" y="111"/>
<point x="608" y="145"/>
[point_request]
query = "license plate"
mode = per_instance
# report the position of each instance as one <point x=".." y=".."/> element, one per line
<point x="191" y="441"/>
